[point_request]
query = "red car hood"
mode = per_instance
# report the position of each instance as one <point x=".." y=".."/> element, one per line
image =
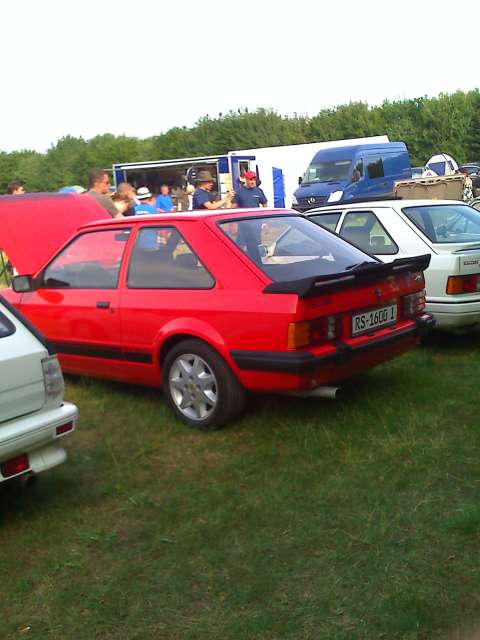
<point x="34" y="226"/>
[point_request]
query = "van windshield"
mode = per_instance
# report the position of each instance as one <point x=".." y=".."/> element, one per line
<point x="333" y="171"/>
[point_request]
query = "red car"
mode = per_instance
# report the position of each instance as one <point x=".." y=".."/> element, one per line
<point x="208" y="304"/>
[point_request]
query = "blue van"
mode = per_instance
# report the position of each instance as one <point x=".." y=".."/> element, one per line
<point x="339" y="174"/>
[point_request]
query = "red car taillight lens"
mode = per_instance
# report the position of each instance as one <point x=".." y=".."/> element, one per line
<point x="463" y="284"/>
<point x="304" y="334"/>
<point x="64" y="428"/>
<point x="14" y="466"/>
<point x="413" y="304"/>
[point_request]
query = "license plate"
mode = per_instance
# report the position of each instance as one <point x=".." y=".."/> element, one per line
<point x="374" y="319"/>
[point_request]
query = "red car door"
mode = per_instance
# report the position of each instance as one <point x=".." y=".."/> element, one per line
<point x="76" y="304"/>
<point x="165" y="280"/>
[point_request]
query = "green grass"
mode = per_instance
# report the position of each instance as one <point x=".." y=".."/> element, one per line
<point x="306" y="519"/>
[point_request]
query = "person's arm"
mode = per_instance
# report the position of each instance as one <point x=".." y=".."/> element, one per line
<point x="263" y="200"/>
<point x="218" y="204"/>
<point x="235" y="201"/>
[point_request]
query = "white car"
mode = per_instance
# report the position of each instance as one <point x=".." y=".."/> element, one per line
<point x="34" y="420"/>
<point x="446" y="229"/>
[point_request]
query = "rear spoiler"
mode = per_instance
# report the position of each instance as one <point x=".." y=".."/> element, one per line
<point x="361" y="274"/>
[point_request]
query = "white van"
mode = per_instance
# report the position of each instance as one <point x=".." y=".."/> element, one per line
<point x="33" y="417"/>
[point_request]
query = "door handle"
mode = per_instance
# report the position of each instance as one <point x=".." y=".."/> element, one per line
<point x="103" y="304"/>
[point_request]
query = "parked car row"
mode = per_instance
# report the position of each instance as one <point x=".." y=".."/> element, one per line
<point x="208" y="305"/>
<point x="211" y="305"/>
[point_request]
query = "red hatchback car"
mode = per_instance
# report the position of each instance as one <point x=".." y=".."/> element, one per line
<point x="209" y="304"/>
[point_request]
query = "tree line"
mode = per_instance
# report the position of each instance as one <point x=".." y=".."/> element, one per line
<point x="449" y="123"/>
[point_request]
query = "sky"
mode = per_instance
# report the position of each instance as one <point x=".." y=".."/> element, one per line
<point x="140" y="68"/>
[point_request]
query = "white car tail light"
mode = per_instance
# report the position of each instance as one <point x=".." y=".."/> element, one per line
<point x="53" y="379"/>
<point x="463" y="284"/>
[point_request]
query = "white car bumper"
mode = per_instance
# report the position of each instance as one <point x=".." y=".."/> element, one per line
<point x="36" y="436"/>
<point x="454" y="315"/>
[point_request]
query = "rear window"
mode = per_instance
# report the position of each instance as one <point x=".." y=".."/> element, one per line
<point x="444" y="223"/>
<point x="291" y="248"/>
<point x="6" y="327"/>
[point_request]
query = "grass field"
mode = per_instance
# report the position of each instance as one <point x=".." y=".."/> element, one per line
<point x="306" y="519"/>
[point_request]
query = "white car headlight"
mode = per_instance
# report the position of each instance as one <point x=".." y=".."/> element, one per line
<point x="294" y="200"/>
<point x="335" y="196"/>
<point x="53" y="379"/>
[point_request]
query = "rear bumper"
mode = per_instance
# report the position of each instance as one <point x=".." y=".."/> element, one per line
<point x="451" y="315"/>
<point x="341" y="353"/>
<point x="35" y="435"/>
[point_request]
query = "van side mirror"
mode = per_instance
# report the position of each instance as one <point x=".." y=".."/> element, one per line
<point x="300" y="180"/>
<point x="22" y="284"/>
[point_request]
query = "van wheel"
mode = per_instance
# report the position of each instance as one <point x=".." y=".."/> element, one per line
<point x="200" y="387"/>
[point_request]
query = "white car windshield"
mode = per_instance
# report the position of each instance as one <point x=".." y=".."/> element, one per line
<point x="444" y="223"/>
<point x="291" y="247"/>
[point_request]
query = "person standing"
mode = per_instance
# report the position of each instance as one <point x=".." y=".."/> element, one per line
<point x="203" y="197"/>
<point x="128" y="190"/>
<point x="99" y="188"/>
<point x="122" y="204"/>
<point x="164" y="202"/>
<point x="250" y="196"/>
<point x="147" y="202"/>
<point x="15" y="188"/>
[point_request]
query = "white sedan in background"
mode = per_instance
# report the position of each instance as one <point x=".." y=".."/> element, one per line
<point x="34" y="419"/>
<point x="448" y="230"/>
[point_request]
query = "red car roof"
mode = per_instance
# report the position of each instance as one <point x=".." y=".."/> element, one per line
<point x="194" y="216"/>
<point x="33" y="226"/>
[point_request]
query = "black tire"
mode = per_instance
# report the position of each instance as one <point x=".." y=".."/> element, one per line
<point x="226" y="394"/>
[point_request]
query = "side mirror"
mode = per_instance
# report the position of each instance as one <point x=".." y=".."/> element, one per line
<point x="22" y="284"/>
<point x="300" y="180"/>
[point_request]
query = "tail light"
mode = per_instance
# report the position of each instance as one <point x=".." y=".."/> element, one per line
<point x="413" y="304"/>
<point x="14" y="466"/>
<point x="304" y="334"/>
<point x="53" y="379"/>
<point x="463" y="284"/>
<point x="64" y="428"/>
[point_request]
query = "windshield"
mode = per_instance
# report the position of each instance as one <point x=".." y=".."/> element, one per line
<point x="334" y="171"/>
<point x="291" y="247"/>
<point x="444" y="223"/>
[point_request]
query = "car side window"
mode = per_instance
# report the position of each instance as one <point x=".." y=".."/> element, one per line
<point x="327" y="220"/>
<point x="90" y="261"/>
<point x="162" y="259"/>
<point x="364" y="229"/>
<point x="6" y="327"/>
<point x="375" y="167"/>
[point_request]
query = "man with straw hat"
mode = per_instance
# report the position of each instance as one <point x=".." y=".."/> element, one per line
<point x="203" y="198"/>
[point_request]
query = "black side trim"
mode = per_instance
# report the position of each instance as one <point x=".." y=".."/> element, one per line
<point x="109" y="353"/>
<point x="305" y="362"/>
<point x="30" y="326"/>
<point x="278" y="361"/>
